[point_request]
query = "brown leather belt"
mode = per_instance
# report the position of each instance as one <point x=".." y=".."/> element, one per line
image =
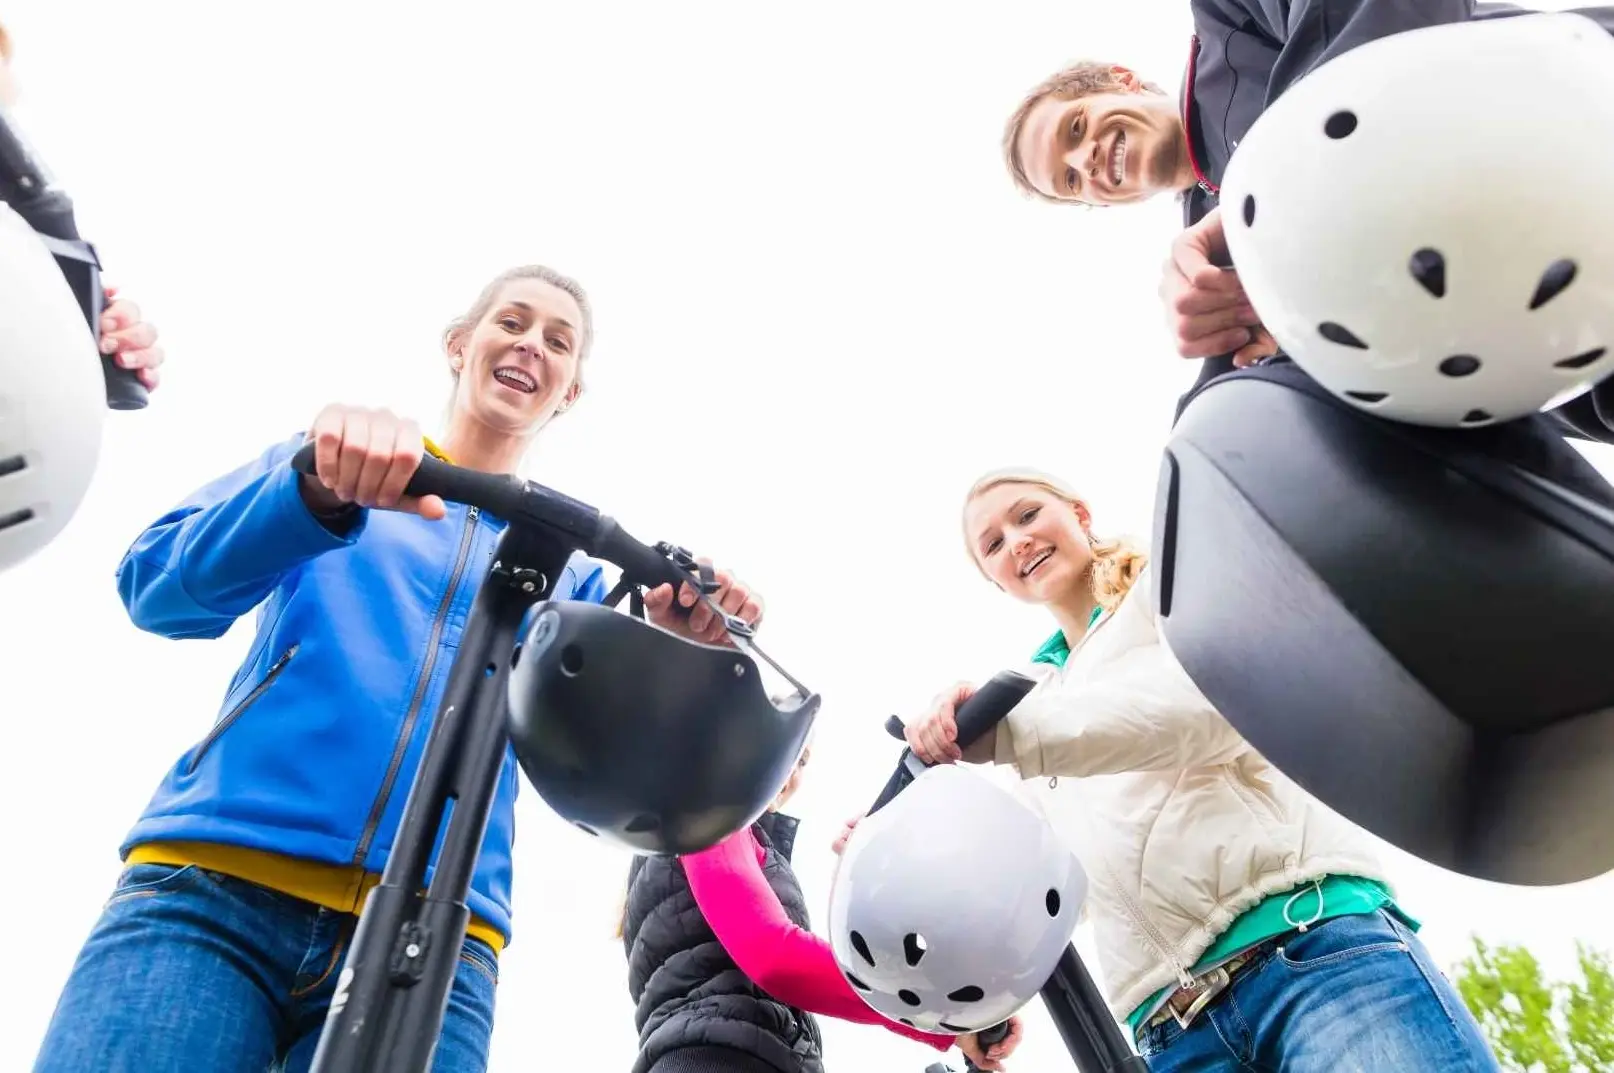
<point x="1188" y="1002"/>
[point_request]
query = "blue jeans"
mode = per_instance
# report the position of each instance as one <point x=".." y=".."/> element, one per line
<point x="1355" y="993"/>
<point x="190" y="970"/>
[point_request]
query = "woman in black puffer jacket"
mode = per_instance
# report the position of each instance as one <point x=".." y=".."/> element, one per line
<point x="723" y="969"/>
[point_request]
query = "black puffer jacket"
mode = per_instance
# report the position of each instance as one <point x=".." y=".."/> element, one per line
<point x="686" y="989"/>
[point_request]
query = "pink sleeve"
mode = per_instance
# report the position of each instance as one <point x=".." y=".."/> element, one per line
<point x="790" y="963"/>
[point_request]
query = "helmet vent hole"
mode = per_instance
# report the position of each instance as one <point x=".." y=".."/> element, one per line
<point x="1340" y="124"/>
<point x="1476" y="417"/>
<point x="967" y="993"/>
<point x="1050" y="902"/>
<point x="1338" y="333"/>
<point x="1369" y="397"/>
<point x="1460" y="365"/>
<point x="1580" y="361"/>
<point x="955" y="1029"/>
<point x="1428" y="267"/>
<point x="908" y="997"/>
<point x="1249" y="210"/>
<point x="913" y="948"/>
<point x="14" y="464"/>
<point x="16" y="517"/>
<point x="1558" y="275"/>
<point x="585" y="828"/>
<point x="643" y="824"/>
<point x="862" y="947"/>
<point x="905" y="1021"/>
<point x="571" y="661"/>
<point x="855" y="982"/>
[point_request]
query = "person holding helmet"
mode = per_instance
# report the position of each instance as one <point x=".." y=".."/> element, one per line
<point x="245" y="875"/>
<point x="124" y="334"/>
<point x="52" y="391"/>
<point x="1099" y="134"/>
<point x="1239" y="923"/>
<point x="724" y="971"/>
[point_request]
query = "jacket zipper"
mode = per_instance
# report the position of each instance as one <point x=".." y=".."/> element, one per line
<point x="1152" y="933"/>
<point x="246" y="702"/>
<point x="1187" y="119"/>
<point x="1139" y="917"/>
<point x="1053" y="780"/>
<point x="401" y="745"/>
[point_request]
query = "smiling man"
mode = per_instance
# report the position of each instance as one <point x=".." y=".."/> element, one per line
<point x="1097" y="133"/>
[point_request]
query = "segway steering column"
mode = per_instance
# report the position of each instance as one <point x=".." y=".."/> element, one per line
<point x="1072" y="999"/>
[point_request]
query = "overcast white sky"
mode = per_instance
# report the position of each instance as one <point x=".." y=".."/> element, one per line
<point x="822" y="311"/>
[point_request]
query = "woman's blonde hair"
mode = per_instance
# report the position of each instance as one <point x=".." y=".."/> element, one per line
<point x="1117" y="562"/>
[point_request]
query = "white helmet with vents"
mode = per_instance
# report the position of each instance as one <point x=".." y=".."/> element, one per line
<point x="953" y="904"/>
<point x="1428" y="238"/>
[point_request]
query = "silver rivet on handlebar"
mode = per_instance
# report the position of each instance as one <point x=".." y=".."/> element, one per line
<point x="412" y="950"/>
<point x="739" y="670"/>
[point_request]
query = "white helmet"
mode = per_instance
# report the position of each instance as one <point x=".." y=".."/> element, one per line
<point x="952" y="904"/>
<point x="52" y="395"/>
<point x="1428" y="236"/>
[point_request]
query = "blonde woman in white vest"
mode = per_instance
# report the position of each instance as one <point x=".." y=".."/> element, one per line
<point x="1240" y="924"/>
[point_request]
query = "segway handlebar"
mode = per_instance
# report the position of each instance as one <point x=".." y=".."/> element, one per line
<point x="27" y="187"/>
<point x="530" y="503"/>
<point x="976" y="717"/>
<point x="1073" y="1000"/>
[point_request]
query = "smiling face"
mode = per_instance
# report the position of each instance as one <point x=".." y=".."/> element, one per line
<point x="1114" y="147"/>
<point x="1034" y="545"/>
<point x="516" y="364"/>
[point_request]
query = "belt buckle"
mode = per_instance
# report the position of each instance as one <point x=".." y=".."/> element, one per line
<point x="1212" y="983"/>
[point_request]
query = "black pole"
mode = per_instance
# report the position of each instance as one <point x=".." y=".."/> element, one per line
<point x="393" y="990"/>
<point x="1078" y="1010"/>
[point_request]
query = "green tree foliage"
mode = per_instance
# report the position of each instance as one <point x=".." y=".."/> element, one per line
<point x="1539" y="1026"/>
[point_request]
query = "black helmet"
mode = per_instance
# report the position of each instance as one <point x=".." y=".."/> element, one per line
<point x="663" y="745"/>
<point x="1417" y="633"/>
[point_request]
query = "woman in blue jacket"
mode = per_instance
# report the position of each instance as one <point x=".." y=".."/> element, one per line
<point x="224" y="936"/>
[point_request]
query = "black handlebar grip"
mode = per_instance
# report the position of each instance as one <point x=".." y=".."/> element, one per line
<point x="434" y="477"/>
<point x="124" y="391"/>
<point x="988" y="1038"/>
<point x="986" y="708"/>
<point x="640" y="563"/>
<point x="512" y="498"/>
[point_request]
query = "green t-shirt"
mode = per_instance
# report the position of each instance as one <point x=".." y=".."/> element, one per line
<point x="1341" y="895"/>
<point x="1056" y="650"/>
